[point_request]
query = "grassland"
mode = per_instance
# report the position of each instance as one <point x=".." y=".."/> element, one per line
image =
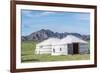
<point x="27" y="54"/>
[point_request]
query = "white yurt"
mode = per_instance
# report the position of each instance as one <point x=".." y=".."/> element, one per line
<point x="45" y="47"/>
<point x="71" y="45"/>
<point x="68" y="45"/>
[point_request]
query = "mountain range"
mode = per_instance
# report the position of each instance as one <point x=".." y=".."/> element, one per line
<point x="46" y="33"/>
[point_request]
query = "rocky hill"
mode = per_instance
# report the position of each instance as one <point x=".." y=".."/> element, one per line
<point x="46" y="33"/>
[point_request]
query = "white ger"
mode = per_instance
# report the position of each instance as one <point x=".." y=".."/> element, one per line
<point x="68" y="45"/>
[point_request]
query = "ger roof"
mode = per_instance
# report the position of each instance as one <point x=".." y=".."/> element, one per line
<point x="49" y="41"/>
<point x="71" y="39"/>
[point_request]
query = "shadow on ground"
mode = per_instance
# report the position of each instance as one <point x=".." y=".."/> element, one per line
<point x="28" y="60"/>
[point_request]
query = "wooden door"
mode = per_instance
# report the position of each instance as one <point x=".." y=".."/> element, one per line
<point x="75" y="48"/>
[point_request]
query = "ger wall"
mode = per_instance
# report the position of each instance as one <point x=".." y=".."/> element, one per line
<point x="59" y="50"/>
<point x="84" y="48"/>
<point x="46" y="49"/>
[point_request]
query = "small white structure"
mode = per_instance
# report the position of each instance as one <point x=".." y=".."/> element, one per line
<point x="70" y="45"/>
<point x="65" y="46"/>
<point x="45" y="47"/>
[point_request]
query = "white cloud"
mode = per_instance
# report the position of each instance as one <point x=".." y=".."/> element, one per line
<point x="27" y="13"/>
<point x="30" y="13"/>
<point x="46" y="13"/>
<point x="83" y="16"/>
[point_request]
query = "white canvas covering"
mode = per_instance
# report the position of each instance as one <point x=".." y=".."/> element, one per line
<point x="71" y="39"/>
<point x="55" y="46"/>
<point x="50" y="41"/>
<point x="45" y="47"/>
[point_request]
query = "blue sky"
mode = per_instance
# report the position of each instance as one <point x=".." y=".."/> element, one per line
<point x="76" y="22"/>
